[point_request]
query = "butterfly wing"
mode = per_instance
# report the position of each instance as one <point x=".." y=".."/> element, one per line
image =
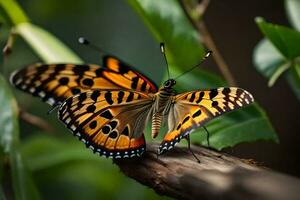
<point x="54" y="83"/>
<point x="122" y="71"/>
<point x="111" y="123"/>
<point x="193" y="109"/>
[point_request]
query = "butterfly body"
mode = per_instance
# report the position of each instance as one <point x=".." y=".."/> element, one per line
<point x="108" y="107"/>
<point x="163" y="101"/>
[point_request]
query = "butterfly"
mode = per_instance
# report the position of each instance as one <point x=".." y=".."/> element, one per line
<point x="108" y="107"/>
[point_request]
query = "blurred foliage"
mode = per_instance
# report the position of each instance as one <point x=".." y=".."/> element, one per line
<point x="279" y="53"/>
<point x="60" y="167"/>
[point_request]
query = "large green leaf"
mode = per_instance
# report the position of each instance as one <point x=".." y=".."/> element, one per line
<point x="279" y="54"/>
<point x="245" y="125"/>
<point x="293" y="12"/>
<point x="46" y="46"/>
<point x="168" y="24"/>
<point x="286" y="40"/>
<point x="270" y="63"/>
<point x="293" y="77"/>
<point x="23" y="185"/>
<point x="8" y="119"/>
<point x="267" y="58"/>
<point x="12" y="11"/>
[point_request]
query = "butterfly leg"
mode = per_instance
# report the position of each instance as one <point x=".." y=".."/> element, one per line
<point x="207" y="136"/>
<point x="189" y="147"/>
<point x="53" y="108"/>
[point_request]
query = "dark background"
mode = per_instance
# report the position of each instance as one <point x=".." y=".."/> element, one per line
<point x="114" y="26"/>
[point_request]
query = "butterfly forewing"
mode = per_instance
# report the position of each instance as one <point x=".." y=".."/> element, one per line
<point x="55" y="83"/>
<point x="109" y="122"/>
<point x="193" y="109"/>
<point x="138" y="81"/>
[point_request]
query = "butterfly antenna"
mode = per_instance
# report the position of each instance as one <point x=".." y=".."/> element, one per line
<point x="84" y="41"/>
<point x="162" y="50"/>
<point x="191" y="69"/>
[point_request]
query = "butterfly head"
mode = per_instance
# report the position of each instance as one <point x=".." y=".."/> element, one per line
<point x="169" y="83"/>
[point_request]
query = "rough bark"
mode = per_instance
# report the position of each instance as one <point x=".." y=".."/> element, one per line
<point x="218" y="176"/>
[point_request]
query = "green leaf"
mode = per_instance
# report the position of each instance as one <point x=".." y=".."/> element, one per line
<point x="267" y="58"/>
<point x="46" y="46"/>
<point x="268" y="61"/>
<point x="168" y="23"/>
<point x="42" y="152"/>
<point x="23" y="185"/>
<point x="293" y="12"/>
<point x="245" y="125"/>
<point x="13" y="11"/>
<point x="284" y="39"/>
<point x="293" y="78"/>
<point x="8" y="117"/>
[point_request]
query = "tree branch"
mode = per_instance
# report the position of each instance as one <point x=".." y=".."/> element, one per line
<point x="218" y="176"/>
<point x="194" y="15"/>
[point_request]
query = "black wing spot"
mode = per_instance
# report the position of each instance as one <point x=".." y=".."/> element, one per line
<point x="201" y="95"/>
<point x="120" y="96"/>
<point x="197" y="113"/>
<point x="178" y="127"/>
<point x="91" y="108"/>
<point x="80" y="69"/>
<point x="144" y="86"/>
<point x="108" y="97"/>
<point x="106" y="129"/>
<point x="75" y="91"/>
<point x="64" y="80"/>
<point x="99" y="72"/>
<point x="95" y="95"/>
<point x="213" y="93"/>
<point x="125" y="131"/>
<point x="113" y="124"/>
<point x="113" y="134"/>
<point x="134" y="83"/>
<point x="226" y="91"/>
<point x="107" y="114"/>
<point x="185" y="119"/>
<point x="192" y="97"/>
<point x="82" y="97"/>
<point x="57" y="68"/>
<point x="123" y="68"/>
<point x="214" y="104"/>
<point x="88" y="82"/>
<point x="130" y="97"/>
<point x="93" y="124"/>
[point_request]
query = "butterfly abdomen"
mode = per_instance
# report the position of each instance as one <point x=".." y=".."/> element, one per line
<point x="156" y="123"/>
<point x="161" y="107"/>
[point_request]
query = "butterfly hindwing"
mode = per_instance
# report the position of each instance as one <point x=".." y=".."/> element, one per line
<point x="55" y="83"/>
<point x="193" y="109"/>
<point x="111" y="123"/>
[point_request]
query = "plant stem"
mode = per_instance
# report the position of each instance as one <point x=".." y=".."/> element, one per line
<point x="207" y="38"/>
<point x="278" y="72"/>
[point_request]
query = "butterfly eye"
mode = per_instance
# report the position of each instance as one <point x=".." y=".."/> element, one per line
<point x="169" y="83"/>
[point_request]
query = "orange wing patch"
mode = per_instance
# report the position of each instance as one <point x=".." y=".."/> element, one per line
<point x="124" y="71"/>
